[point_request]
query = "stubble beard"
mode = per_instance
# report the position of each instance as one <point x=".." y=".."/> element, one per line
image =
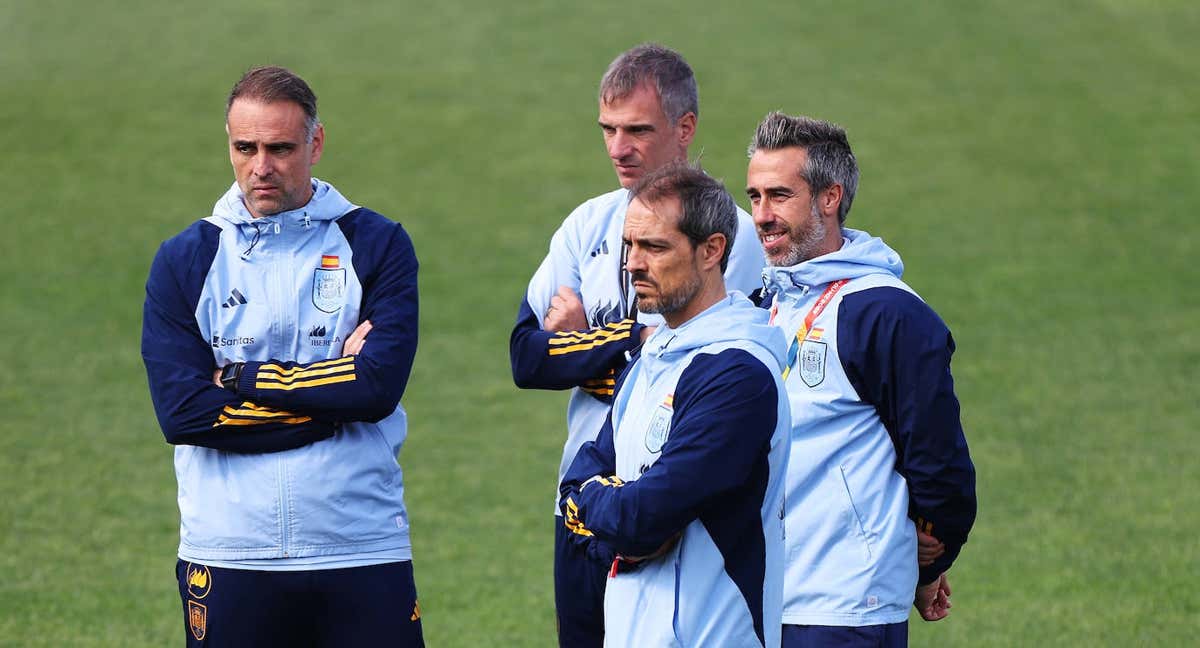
<point x="805" y="243"/>
<point x="672" y="302"/>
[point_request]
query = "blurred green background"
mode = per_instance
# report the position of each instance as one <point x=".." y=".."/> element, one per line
<point x="1035" y="163"/>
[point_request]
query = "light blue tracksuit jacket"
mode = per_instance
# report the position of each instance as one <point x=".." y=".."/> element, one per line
<point x="698" y="443"/>
<point x="296" y="468"/>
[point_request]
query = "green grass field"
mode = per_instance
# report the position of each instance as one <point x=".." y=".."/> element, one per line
<point x="1035" y="163"/>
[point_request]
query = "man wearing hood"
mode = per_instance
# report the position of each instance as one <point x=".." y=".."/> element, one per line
<point x="878" y="451"/>
<point x="286" y="419"/>
<point x="685" y="481"/>
<point x="577" y="324"/>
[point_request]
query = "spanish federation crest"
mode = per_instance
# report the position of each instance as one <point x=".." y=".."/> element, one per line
<point x="660" y="425"/>
<point x="197" y="619"/>
<point x="812" y="362"/>
<point x="329" y="285"/>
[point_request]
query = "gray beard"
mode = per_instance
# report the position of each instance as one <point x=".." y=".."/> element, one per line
<point x="806" y="247"/>
<point x="673" y="302"/>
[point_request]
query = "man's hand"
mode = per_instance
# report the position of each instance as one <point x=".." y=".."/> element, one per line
<point x="933" y="600"/>
<point x="658" y="553"/>
<point x="929" y="549"/>
<point x="354" y="344"/>
<point x="565" y="312"/>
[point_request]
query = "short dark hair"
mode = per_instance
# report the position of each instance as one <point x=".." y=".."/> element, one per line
<point x="707" y="207"/>
<point x="272" y="83"/>
<point x="661" y="67"/>
<point x="830" y="160"/>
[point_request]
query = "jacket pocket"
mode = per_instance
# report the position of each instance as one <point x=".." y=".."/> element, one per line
<point x="857" y="527"/>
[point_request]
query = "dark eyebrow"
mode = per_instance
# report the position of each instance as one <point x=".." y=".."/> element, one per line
<point x="636" y="128"/>
<point x="649" y="240"/>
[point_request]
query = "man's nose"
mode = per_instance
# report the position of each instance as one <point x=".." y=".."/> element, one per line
<point x="619" y="146"/>
<point x="263" y="165"/>
<point x="634" y="260"/>
<point x="762" y="213"/>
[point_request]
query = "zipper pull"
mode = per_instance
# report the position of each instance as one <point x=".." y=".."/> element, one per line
<point x="277" y="228"/>
<point x="307" y="222"/>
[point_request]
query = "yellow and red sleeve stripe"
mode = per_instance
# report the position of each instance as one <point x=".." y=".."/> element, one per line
<point x="326" y="372"/>
<point x="571" y="341"/>
<point x="924" y="526"/>
<point x="572" y="521"/>
<point x="250" y="414"/>
<point x="601" y="386"/>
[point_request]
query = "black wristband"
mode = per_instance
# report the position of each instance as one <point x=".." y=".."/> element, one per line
<point x="230" y="375"/>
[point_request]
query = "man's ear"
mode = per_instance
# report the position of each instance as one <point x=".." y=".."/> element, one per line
<point x="318" y="143"/>
<point x="829" y="201"/>
<point x="687" y="129"/>
<point x="711" y="251"/>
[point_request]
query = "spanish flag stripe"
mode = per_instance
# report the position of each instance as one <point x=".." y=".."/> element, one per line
<point x="298" y="419"/>
<point x="258" y="416"/>
<point x="247" y="405"/>
<point x="316" y="365"/>
<point x="252" y="406"/>
<point x="590" y="345"/>
<point x="328" y="371"/>
<point x="567" y="337"/>
<point x="305" y="383"/>
<point x="575" y="339"/>
<point x="255" y="407"/>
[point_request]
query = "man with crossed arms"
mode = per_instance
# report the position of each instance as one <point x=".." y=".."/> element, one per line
<point x="578" y="322"/>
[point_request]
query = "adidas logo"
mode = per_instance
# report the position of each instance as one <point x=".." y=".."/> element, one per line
<point x="316" y="331"/>
<point x="235" y="299"/>
<point x="603" y="249"/>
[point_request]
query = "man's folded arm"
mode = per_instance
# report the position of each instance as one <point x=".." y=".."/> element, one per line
<point x="191" y="409"/>
<point x="366" y="386"/>
<point x="589" y="359"/>
<point x="725" y="411"/>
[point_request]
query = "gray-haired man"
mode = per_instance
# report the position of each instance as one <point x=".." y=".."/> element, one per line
<point x="878" y="452"/>
<point x="578" y="321"/>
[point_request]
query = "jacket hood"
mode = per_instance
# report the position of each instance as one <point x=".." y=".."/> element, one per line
<point x="733" y="319"/>
<point x="860" y="255"/>
<point x="326" y="204"/>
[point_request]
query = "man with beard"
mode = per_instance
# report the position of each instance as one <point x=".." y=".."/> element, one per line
<point x="685" y="482"/>
<point x="878" y="451"/>
<point x="578" y="323"/>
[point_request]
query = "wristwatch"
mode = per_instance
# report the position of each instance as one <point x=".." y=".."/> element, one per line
<point x="230" y="374"/>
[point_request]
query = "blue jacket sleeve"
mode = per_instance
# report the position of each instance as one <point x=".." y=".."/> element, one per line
<point x="725" y="409"/>
<point x="367" y="386"/>
<point x="896" y="352"/>
<point x="588" y="359"/>
<point x="179" y="363"/>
